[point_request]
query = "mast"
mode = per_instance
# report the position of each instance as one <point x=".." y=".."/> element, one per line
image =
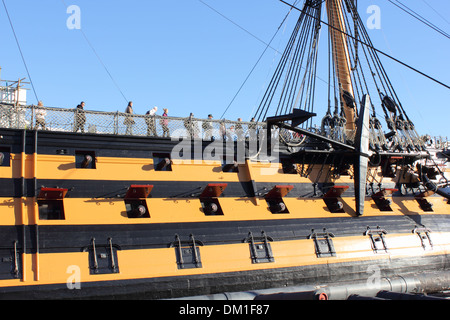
<point x="341" y="58"/>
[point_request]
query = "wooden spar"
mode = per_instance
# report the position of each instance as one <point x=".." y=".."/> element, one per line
<point x="341" y="56"/>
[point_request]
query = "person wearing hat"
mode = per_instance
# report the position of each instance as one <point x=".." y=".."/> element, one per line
<point x="151" y="123"/>
<point x="40" y="116"/>
<point x="189" y="125"/>
<point x="165" y="123"/>
<point x="239" y="130"/>
<point x="80" y="117"/>
<point x="208" y="128"/>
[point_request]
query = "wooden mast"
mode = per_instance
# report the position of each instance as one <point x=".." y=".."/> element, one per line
<point x="341" y="56"/>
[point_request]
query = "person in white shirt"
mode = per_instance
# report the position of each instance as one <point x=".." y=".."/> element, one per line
<point x="151" y="123"/>
<point x="40" y="116"/>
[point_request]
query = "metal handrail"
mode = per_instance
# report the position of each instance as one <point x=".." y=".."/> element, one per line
<point x="119" y="123"/>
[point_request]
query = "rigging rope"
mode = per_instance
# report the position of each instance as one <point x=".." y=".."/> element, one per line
<point x="20" y="50"/>
<point x="259" y="59"/>
<point x="437" y="12"/>
<point x="104" y="66"/>
<point x="100" y="60"/>
<point x="303" y="49"/>
<point x="293" y="86"/>
<point x="268" y="45"/>
<point x="375" y="49"/>
<point x="419" y="17"/>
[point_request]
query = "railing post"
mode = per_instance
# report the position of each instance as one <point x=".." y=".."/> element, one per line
<point x="32" y="111"/>
<point x="116" y="123"/>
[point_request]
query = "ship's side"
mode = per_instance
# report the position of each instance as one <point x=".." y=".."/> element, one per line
<point x="129" y="224"/>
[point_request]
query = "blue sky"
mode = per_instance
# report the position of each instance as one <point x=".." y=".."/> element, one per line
<point x="182" y="55"/>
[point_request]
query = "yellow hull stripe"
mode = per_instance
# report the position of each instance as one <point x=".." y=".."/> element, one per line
<point x="153" y="263"/>
<point x="17" y="211"/>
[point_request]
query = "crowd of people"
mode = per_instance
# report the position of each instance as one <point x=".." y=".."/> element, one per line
<point x="235" y="131"/>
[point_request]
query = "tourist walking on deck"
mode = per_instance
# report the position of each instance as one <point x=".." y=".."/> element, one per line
<point x="40" y="116"/>
<point x="129" y="121"/>
<point x="189" y="125"/>
<point x="252" y="129"/>
<point x="239" y="130"/>
<point x="151" y="122"/>
<point x="80" y="117"/>
<point x="165" y="123"/>
<point x="223" y="130"/>
<point x="208" y="128"/>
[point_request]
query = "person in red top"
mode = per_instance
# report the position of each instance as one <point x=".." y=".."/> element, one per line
<point x="165" y="123"/>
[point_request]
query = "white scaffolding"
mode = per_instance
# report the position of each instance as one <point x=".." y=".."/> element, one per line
<point x="13" y="92"/>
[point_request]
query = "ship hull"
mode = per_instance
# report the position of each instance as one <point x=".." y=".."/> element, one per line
<point x="302" y="277"/>
<point x="89" y="245"/>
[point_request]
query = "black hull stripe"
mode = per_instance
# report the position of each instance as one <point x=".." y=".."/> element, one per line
<point x="16" y="188"/>
<point x="107" y="145"/>
<point x="73" y="238"/>
<point x="204" y="284"/>
<point x="51" y="143"/>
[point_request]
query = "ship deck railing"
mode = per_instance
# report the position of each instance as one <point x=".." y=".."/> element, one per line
<point x="119" y="123"/>
<point x="23" y="117"/>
